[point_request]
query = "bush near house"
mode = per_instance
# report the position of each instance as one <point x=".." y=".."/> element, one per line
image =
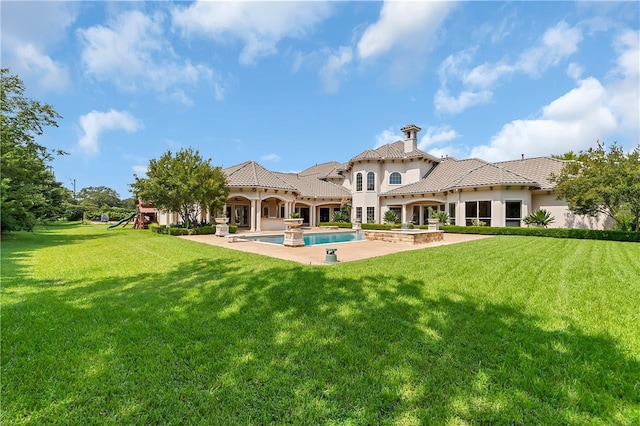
<point x="585" y="234"/>
<point x="381" y="226"/>
<point x="176" y="230"/>
<point x="338" y="224"/>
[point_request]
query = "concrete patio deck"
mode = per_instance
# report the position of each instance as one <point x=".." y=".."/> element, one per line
<point x="315" y="255"/>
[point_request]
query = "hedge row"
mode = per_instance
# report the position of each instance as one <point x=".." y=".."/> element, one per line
<point x="114" y="213"/>
<point x="338" y="224"/>
<point x="585" y="234"/>
<point x="209" y="229"/>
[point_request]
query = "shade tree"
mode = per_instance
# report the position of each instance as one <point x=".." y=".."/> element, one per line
<point x="185" y="183"/>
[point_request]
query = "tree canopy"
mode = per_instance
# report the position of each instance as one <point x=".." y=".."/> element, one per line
<point x="184" y="183"/>
<point x="99" y="196"/>
<point x="600" y="181"/>
<point x="29" y="190"/>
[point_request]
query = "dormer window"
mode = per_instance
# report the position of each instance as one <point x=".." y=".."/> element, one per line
<point x="395" y="179"/>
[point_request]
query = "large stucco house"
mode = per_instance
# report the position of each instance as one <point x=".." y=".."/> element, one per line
<point x="399" y="177"/>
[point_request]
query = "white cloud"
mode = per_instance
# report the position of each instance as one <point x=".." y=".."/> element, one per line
<point x="270" y="157"/>
<point x="570" y="123"/>
<point x="556" y="44"/>
<point x="30" y="61"/>
<point x="333" y="71"/>
<point x="132" y="53"/>
<point x="387" y="136"/>
<point x="444" y="102"/>
<point x="140" y="171"/>
<point x="435" y="135"/>
<point x="401" y="24"/>
<point x="97" y="122"/>
<point x="624" y="90"/>
<point x="259" y="25"/>
<point x="28" y="30"/>
<point x="574" y="71"/>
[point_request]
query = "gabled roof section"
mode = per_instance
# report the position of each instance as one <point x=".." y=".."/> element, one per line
<point x="390" y="151"/>
<point x="324" y="170"/>
<point x="311" y="186"/>
<point x="538" y="169"/>
<point x="252" y="174"/>
<point x="442" y="177"/>
<point x="490" y="174"/>
<point x="451" y="174"/>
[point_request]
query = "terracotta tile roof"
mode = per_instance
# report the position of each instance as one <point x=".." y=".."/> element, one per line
<point x="538" y="169"/>
<point x="490" y="174"/>
<point x="450" y="174"/>
<point x="324" y="170"/>
<point x="441" y="177"/>
<point x="311" y="186"/>
<point x="391" y="151"/>
<point x="252" y="174"/>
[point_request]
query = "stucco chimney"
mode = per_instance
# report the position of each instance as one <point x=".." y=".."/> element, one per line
<point x="410" y="137"/>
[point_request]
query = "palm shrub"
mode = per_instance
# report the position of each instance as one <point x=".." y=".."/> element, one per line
<point x="540" y="217"/>
<point x="390" y="217"/>
<point x="442" y="217"/>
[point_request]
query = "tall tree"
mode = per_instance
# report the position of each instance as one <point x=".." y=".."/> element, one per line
<point x="603" y="182"/>
<point x="99" y="196"/>
<point x="29" y="190"/>
<point x="184" y="183"/>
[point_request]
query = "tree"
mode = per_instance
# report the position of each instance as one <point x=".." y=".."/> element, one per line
<point x="185" y="184"/>
<point x="29" y="190"/>
<point x="99" y="196"/>
<point x="601" y="182"/>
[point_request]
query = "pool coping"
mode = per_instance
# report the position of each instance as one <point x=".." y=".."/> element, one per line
<point x="315" y="255"/>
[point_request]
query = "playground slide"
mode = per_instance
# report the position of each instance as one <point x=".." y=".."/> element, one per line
<point x="126" y="219"/>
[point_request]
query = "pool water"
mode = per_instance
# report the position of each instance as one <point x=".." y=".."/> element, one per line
<point x="311" y="239"/>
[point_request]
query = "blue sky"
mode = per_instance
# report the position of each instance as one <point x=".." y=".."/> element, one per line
<point x="292" y="84"/>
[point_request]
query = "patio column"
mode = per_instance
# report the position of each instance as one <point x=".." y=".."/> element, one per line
<point x="252" y="216"/>
<point x="404" y="214"/>
<point x="258" y="214"/>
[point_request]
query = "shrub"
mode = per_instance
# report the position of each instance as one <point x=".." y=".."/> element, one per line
<point x="540" y="217"/>
<point x="390" y="217"/>
<point x="380" y="226"/>
<point x="177" y="231"/>
<point x="338" y="224"/>
<point x="207" y="229"/>
<point x="587" y="234"/>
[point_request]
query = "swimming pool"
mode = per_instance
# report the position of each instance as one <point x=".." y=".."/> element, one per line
<point x="312" y="239"/>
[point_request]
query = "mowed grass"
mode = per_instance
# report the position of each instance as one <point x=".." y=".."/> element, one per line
<point x="130" y="327"/>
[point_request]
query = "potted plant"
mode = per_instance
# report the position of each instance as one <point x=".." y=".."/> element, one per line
<point x="432" y="220"/>
<point x="294" y="220"/>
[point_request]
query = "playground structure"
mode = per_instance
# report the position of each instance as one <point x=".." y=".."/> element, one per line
<point x="144" y="215"/>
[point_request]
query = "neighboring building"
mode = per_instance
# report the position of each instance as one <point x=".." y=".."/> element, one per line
<point x="402" y="178"/>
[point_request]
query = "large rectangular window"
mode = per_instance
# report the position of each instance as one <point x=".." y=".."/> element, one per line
<point x="371" y="215"/>
<point x="513" y="213"/>
<point x="477" y="213"/>
<point x="359" y="213"/>
<point x="452" y="213"/>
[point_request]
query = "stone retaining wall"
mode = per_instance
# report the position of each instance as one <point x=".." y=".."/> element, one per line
<point x="404" y="237"/>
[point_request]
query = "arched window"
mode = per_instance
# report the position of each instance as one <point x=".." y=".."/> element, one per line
<point x="395" y="178"/>
<point x="371" y="181"/>
<point x="359" y="182"/>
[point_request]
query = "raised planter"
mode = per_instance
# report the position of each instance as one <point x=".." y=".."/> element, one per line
<point x="293" y="236"/>
<point x="222" y="227"/>
<point x="293" y="223"/>
<point x="406" y="236"/>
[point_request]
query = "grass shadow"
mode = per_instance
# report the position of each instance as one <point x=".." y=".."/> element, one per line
<point x="222" y="340"/>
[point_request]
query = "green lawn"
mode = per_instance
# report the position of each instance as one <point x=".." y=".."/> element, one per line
<point x="130" y="327"/>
